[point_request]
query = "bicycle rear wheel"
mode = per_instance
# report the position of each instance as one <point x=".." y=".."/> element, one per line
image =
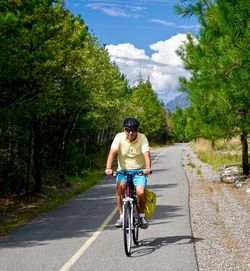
<point x="127" y="228"/>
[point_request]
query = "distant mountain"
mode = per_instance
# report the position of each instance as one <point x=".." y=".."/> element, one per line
<point x="180" y="101"/>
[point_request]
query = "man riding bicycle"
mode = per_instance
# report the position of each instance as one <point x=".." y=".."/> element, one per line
<point x="133" y="153"/>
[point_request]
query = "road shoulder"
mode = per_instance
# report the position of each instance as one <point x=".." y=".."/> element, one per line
<point x="219" y="216"/>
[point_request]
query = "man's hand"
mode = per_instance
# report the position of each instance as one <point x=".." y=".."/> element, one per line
<point x="147" y="171"/>
<point x="108" y="171"/>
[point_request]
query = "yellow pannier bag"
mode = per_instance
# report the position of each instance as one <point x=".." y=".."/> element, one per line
<point x="150" y="203"/>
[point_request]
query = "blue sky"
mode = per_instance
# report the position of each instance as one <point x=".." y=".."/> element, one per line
<point x="141" y="36"/>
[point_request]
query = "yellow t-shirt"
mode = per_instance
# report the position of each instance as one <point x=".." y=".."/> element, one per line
<point x="130" y="154"/>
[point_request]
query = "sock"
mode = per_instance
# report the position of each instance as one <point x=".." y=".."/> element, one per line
<point x="142" y="215"/>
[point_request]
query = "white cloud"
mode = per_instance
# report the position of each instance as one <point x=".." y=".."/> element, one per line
<point x="163" y="67"/>
<point x="116" y="10"/>
<point x="166" y="23"/>
<point x="109" y="9"/>
<point x="165" y="50"/>
<point x="175" y="25"/>
<point x="126" y="50"/>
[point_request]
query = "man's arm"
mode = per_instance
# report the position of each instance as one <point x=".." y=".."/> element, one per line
<point x="147" y="158"/>
<point x="111" y="157"/>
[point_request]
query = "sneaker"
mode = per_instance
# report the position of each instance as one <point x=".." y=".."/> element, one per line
<point x="144" y="223"/>
<point x="118" y="223"/>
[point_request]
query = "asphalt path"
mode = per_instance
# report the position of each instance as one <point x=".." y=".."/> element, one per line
<point x="80" y="235"/>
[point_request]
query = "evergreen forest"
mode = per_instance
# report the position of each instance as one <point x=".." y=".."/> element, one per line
<point x="218" y="59"/>
<point x="62" y="99"/>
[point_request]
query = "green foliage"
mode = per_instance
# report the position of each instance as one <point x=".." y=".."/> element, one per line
<point x="62" y="99"/>
<point x="188" y="8"/>
<point x="179" y="124"/>
<point x="150" y="111"/>
<point x="218" y="59"/>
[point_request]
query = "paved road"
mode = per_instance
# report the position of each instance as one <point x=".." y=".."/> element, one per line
<point x="79" y="235"/>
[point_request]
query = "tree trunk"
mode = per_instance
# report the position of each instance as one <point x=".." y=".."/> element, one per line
<point x="244" y="145"/>
<point x="27" y="182"/>
<point x="213" y="144"/>
<point x="36" y="155"/>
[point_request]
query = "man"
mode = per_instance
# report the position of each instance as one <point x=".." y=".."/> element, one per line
<point x="133" y="153"/>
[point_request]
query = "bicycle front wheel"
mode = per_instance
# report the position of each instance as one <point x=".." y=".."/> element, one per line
<point x="127" y="228"/>
<point x="136" y="226"/>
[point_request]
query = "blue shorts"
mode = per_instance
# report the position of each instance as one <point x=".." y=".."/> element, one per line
<point x="138" y="179"/>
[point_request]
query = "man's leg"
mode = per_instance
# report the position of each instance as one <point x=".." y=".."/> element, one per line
<point x="119" y="197"/>
<point x="140" y="192"/>
<point x="119" y="194"/>
<point x="141" y="197"/>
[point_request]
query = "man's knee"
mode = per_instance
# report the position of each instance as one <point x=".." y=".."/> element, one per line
<point x="140" y="191"/>
<point x="120" y="187"/>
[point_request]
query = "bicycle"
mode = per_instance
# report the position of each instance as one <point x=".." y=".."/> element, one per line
<point x="131" y="217"/>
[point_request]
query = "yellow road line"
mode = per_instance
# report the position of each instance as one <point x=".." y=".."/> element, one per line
<point x="88" y="243"/>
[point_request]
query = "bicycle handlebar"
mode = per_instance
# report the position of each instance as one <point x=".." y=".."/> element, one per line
<point x="124" y="173"/>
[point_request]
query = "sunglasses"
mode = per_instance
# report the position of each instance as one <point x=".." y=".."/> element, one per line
<point x="131" y="130"/>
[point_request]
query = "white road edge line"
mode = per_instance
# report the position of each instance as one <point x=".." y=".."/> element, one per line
<point x="89" y="242"/>
<point x="157" y="157"/>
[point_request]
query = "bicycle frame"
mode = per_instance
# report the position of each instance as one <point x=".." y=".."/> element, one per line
<point x="131" y="224"/>
<point x="130" y="190"/>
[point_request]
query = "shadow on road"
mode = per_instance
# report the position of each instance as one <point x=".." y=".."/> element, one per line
<point x="167" y="211"/>
<point x="150" y="245"/>
<point x="78" y="217"/>
<point x="157" y="171"/>
<point x="81" y="216"/>
<point x="156" y="187"/>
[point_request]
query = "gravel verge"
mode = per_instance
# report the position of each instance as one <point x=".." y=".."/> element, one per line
<point x="220" y="218"/>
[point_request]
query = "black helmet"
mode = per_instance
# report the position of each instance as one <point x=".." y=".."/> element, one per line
<point x="131" y="123"/>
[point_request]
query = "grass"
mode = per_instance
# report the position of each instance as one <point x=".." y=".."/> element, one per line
<point x="222" y="155"/>
<point x="191" y="164"/>
<point x="17" y="210"/>
<point x="198" y="172"/>
<point x="218" y="159"/>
